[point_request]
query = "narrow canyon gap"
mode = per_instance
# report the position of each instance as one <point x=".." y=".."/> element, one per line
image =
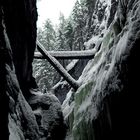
<point x="105" y="106"/>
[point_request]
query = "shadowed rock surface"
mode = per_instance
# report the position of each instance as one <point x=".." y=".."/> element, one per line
<point x="47" y="110"/>
<point x="20" y="20"/>
<point x="17" y="44"/>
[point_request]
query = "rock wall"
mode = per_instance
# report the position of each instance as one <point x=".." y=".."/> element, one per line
<point x="3" y="97"/>
<point x="16" y="50"/>
<point x="20" y="20"/>
<point x="18" y="120"/>
<point x="106" y="106"/>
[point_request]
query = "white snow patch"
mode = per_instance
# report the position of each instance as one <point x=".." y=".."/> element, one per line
<point x="92" y="41"/>
<point x="66" y="108"/>
<point x="37" y="111"/>
<point x="71" y="65"/>
<point x="35" y="92"/>
<point x="120" y="48"/>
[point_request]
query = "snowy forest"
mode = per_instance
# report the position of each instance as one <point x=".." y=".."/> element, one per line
<point x="76" y="80"/>
<point x="69" y="35"/>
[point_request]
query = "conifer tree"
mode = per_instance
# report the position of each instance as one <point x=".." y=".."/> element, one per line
<point x="60" y="38"/>
<point x="45" y="74"/>
<point x="78" y="24"/>
<point x="68" y="33"/>
<point x="49" y="35"/>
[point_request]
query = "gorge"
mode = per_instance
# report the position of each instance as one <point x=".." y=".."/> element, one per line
<point x="105" y="106"/>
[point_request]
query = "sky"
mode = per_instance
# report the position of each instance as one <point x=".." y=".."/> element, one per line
<point x="51" y="9"/>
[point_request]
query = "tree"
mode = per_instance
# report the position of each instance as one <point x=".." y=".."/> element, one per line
<point x="78" y="24"/>
<point x="45" y="74"/>
<point x="60" y="37"/>
<point x="69" y="36"/>
<point x="48" y="35"/>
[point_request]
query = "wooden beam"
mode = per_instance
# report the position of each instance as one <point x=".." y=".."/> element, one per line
<point x="87" y="54"/>
<point x="57" y="66"/>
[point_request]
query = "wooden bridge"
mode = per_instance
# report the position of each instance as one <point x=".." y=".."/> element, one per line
<point x="52" y="57"/>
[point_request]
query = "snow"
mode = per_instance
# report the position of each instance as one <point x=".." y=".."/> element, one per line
<point x="84" y="106"/>
<point x="91" y="71"/>
<point x="104" y="68"/>
<point x="37" y="111"/>
<point x="67" y="109"/>
<point x="71" y="64"/>
<point x="35" y="92"/>
<point x="59" y="67"/>
<point x="94" y="71"/>
<point x="92" y="41"/>
<point x="15" y="130"/>
<point x="68" y="54"/>
<point x="101" y="69"/>
<point x="56" y="85"/>
<point x="108" y="2"/>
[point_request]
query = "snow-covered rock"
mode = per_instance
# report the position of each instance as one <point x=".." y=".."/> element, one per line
<point x="47" y="110"/>
<point x="106" y="106"/>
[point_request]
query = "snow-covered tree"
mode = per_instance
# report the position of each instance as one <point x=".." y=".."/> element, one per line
<point x="69" y="36"/>
<point x="49" y="35"/>
<point x="78" y="24"/>
<point x="60" y="38"/>
<point x="45" y="74"/>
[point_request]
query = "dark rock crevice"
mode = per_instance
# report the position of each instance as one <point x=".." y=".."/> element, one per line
<point x="18" y="120"/>
<point x="119" y="117"/>
<point x="4" y="99"/>
<point x="20" y="20"/>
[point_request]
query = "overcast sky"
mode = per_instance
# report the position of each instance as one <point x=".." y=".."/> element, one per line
<point x="51" y="9"/>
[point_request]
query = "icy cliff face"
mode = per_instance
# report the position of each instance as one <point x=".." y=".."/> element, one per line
<point x="106" y="106"/>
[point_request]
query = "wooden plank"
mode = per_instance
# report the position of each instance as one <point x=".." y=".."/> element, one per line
<point x="58" y="66"/>
<point x="87" y="54"/>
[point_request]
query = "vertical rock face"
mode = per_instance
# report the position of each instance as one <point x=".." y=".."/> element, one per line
<point x="17" y="44"/>
<point x="106" y="106"/>
<point x="18" y="121"/>
<point x="3" y="97"/>
<point x="20" y="20"/>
